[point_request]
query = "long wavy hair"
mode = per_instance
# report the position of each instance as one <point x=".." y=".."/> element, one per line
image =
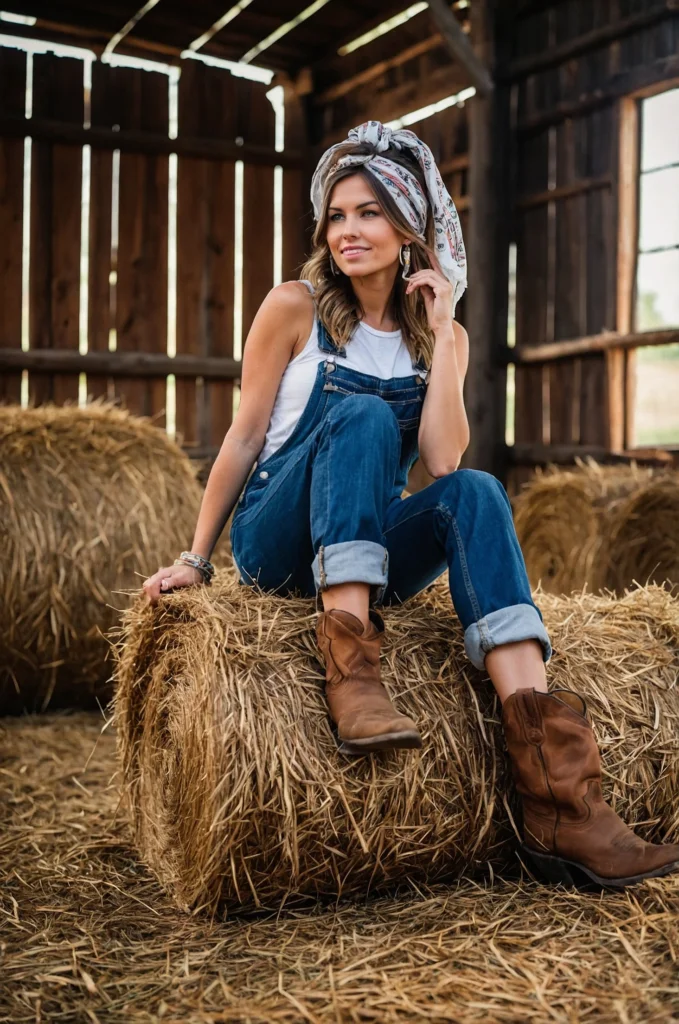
<point x="337" y="304"/>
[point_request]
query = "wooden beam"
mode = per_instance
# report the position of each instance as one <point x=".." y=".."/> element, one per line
<point x="146" y="142"/>
<point x="335" y="92"/>
<point x="549" y="58"/>
<point x="456" y="163"/>
<point x="410" y="96"/>
<point x="621" y="363"/>
<point x="119" y="364"/>
<point x="488" y="259"/>
<point x="548" y="195"/>
<point x="609" y="340"/>
<point x="566" y="454"/>
<point x="642" y="80"/>
<point x="459" y="46"/>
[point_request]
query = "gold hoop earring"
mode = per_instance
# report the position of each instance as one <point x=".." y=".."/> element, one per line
<point x="404" y="260"/>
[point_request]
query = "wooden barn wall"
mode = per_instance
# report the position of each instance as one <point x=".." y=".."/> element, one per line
<point x="566" y="142"/>
<point x="127" y="276"/>
<point x="403" y="70"/>
<point x="13" y="93"/>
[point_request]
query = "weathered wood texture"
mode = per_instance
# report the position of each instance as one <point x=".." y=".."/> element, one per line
<point x="13" y="92"/>
<point x="205" y="252"/>
<point x="136" y="99"/>
<point x="129" y="292"/>
<point x="570" y="65"/>
<point x="403" y="70"/>
<point x="56" y="191"/>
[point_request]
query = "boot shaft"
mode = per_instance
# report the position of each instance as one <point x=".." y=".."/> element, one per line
<point x="553" y="751"/>
<point x="349" y="650"/>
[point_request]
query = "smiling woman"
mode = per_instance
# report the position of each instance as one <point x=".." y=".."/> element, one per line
<point x="347" y="377"/>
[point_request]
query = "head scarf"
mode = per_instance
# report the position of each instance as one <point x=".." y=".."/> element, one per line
<point x="406" y="192"/>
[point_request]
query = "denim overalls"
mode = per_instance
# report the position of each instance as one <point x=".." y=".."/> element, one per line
<point x="326" y="508"/>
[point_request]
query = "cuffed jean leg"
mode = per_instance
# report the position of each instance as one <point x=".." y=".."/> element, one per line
<point x="463" y="521"/>
<point x="354" y="469"/>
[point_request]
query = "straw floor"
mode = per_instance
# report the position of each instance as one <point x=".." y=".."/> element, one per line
<point x="91" y="501"/>
<point x="240" y="797"/>
<point x="87" y="935"/>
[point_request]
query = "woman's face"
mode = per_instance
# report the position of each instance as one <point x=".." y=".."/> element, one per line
<point x="361" y="239"/>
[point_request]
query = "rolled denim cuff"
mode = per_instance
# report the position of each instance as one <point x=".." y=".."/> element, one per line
<point x="505" y="626"/>
<point x="352" y="561"/>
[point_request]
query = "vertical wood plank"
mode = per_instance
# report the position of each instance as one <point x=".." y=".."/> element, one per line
<point x="100" y="313"/>
<point x="531" y="320"/>
<point x="134" y="99"/>
<point x="256" y="124"/>
<point x="56" y="187"/>
<point x="205" y="277"/>
<point x="13" y="92"/>
<point x="205" y="253"/>
<point x="569" y="293"/>
<point x="488" y="249"/>
<point x="141" y="296"/>
<point x="598" y="156"/>
<point x="619" y="364"/>
<point x="298" y="221"/>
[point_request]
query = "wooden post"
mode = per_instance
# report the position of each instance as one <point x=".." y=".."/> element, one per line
<point x="619" y="362"/>
<point x="460" y="48"/>
<point x="487" y="252"/>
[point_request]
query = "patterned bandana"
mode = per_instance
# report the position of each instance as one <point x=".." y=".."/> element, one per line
<point x="406" y="192"/>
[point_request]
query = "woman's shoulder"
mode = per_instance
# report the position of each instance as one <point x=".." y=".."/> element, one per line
<point x="294" y="301"/>
<point x="293" y="294"/>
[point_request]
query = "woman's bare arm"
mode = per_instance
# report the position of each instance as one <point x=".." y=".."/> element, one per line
<point x="282" y="319"/>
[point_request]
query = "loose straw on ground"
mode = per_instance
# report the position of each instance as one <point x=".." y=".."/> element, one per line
<point x="91" y="501"/>
<point x="87" y="934"/>
<point x="239" y="796"/>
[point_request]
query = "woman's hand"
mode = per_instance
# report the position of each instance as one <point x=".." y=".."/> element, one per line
<point x="437" y="292"/>
<point x="172" y="578"/>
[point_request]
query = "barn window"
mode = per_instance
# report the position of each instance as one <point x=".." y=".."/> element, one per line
<point x="653" y="298"/>
<point x="657" y="295"/>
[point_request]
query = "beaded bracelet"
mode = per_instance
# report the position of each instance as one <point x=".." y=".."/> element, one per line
<point x="195" y="558"/>
<point x="204" y="575"/>
<point x="202" y="565"/>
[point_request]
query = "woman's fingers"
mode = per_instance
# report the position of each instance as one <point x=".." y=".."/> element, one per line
<point x="167" y="579"/>
<point x="152" y="586"/>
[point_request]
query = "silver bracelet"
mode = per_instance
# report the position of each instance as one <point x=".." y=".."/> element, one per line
<point x="191" y="558"/>
<point x="204" y="574"/>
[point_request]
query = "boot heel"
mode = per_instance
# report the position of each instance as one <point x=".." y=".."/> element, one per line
<point x="551" y="869"/>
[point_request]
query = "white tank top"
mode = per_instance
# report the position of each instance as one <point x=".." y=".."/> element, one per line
<point x="381" y="354"/>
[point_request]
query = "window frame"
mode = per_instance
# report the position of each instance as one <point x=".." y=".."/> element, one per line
<point x="622" y="363"/>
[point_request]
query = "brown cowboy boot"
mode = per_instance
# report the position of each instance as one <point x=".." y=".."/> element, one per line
<point x="570" y="834"/>
<point x="359" y="704"/>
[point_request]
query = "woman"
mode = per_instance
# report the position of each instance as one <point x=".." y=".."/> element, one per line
<point x="347" y="375"/>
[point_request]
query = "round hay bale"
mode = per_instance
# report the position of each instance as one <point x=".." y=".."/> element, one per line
<point x="239" y="796"/>
<point x="561" y="522"/>
<point x="643" y="536"/>
<point x="91" y="500"/>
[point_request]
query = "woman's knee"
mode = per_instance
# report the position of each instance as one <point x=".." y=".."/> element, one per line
<point x="476" y="486"/>
<point x="369" y="413"/>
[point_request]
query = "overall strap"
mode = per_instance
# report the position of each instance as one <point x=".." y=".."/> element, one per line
<point x="324" y="342"/>
<point x="326" y="345"/>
